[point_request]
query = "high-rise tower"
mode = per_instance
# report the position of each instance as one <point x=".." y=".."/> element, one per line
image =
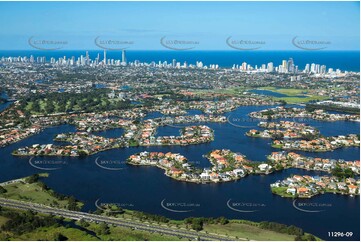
<point x="124" y="57"/>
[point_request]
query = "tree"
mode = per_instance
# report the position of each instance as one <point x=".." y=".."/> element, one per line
<point x="342" y="173"/>
<point x="277" y="136"/>
<point x="83" y="223"/>
<point x="82" y="153"/>
<point x="32" y="179"/>
<point x="283" y="102"/>
<point x="223" y="220"/>
<point x="103" y="229"/>
<point x="197" y="224"/>
<point x="2" y="190"/>
<point x="60" y="237"/>
<point x="309" y="237"/>
<point x="72" y="204"/>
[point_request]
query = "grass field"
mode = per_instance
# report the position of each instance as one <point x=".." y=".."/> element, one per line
<point x="33" y="193"/>
<point x="49" y="233"/>
<point x="292" y="94"/>
<point x="281" y="191"/>
<point x="296" y="100"/>
<point x="30" y="193"/>
<point x="247" y="231"/>
<point x="91" y="234"/>
<point x="80" y="233"/>
<point x="3" y="220"/>
<point x="119" y="233"/>
<point x="285" y="91"/>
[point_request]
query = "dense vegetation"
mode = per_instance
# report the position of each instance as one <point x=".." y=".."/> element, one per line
<point x="95" y="100"/>
<point x="311" y="107"/>
<point x="342" y="173"/>
<point x="151" y="217"/>
<point x="197" y="223"/>
<point x="20" y="223"/>
<point x="292" y="230"/>
<point x="2" y="190"/>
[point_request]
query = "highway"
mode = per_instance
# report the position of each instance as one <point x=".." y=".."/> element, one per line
<point x="178" y="232"/>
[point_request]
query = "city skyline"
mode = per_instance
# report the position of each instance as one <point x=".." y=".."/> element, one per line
<point x="152" y="26"/>
<point x="286" y="66"/>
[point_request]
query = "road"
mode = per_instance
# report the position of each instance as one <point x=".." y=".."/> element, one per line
<point x="162" y="229"/>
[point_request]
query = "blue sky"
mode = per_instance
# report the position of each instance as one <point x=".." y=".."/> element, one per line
<point x="271" y="25"/>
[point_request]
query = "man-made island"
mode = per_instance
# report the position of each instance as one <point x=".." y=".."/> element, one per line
<point x="136" y="134"/>
<point x="306" y="186"/>
<point x="319" y="144"/>
<point x="226" y="166"/>
<point x="284" y="129"/>
<point x="318" y="114"/>
<point x="230" y="166"/>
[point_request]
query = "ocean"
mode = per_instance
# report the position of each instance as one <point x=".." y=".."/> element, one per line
<point x="344" y="60"/>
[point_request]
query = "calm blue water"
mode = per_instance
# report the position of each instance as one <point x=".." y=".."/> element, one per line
<point x="145" y="187"/>
<point x="344" y="60"/>
<point x="110" y="133"/>
<point x="4" y="105"/>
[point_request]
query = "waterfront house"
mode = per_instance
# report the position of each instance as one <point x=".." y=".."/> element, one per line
<point x="352" y="189"/>
<point x="291" y="190"/>
<point x="302" y="191"/>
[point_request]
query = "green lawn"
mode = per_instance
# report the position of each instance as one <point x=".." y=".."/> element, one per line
<point x="33" y="193"/>
<point x="292" y="92"/>
<point x="119" y="233"/>
<point x="295" y="100"/>
<point x="49" y="233"/>
<point x="89" y="233"/>
<point x="74" y="234"/>
<point x="247" y="231"/>
<point x="281" y="191"/>
<point x="3" y="220"/>
<point x="277" y="146"/>
<point x="285" y="91"/>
